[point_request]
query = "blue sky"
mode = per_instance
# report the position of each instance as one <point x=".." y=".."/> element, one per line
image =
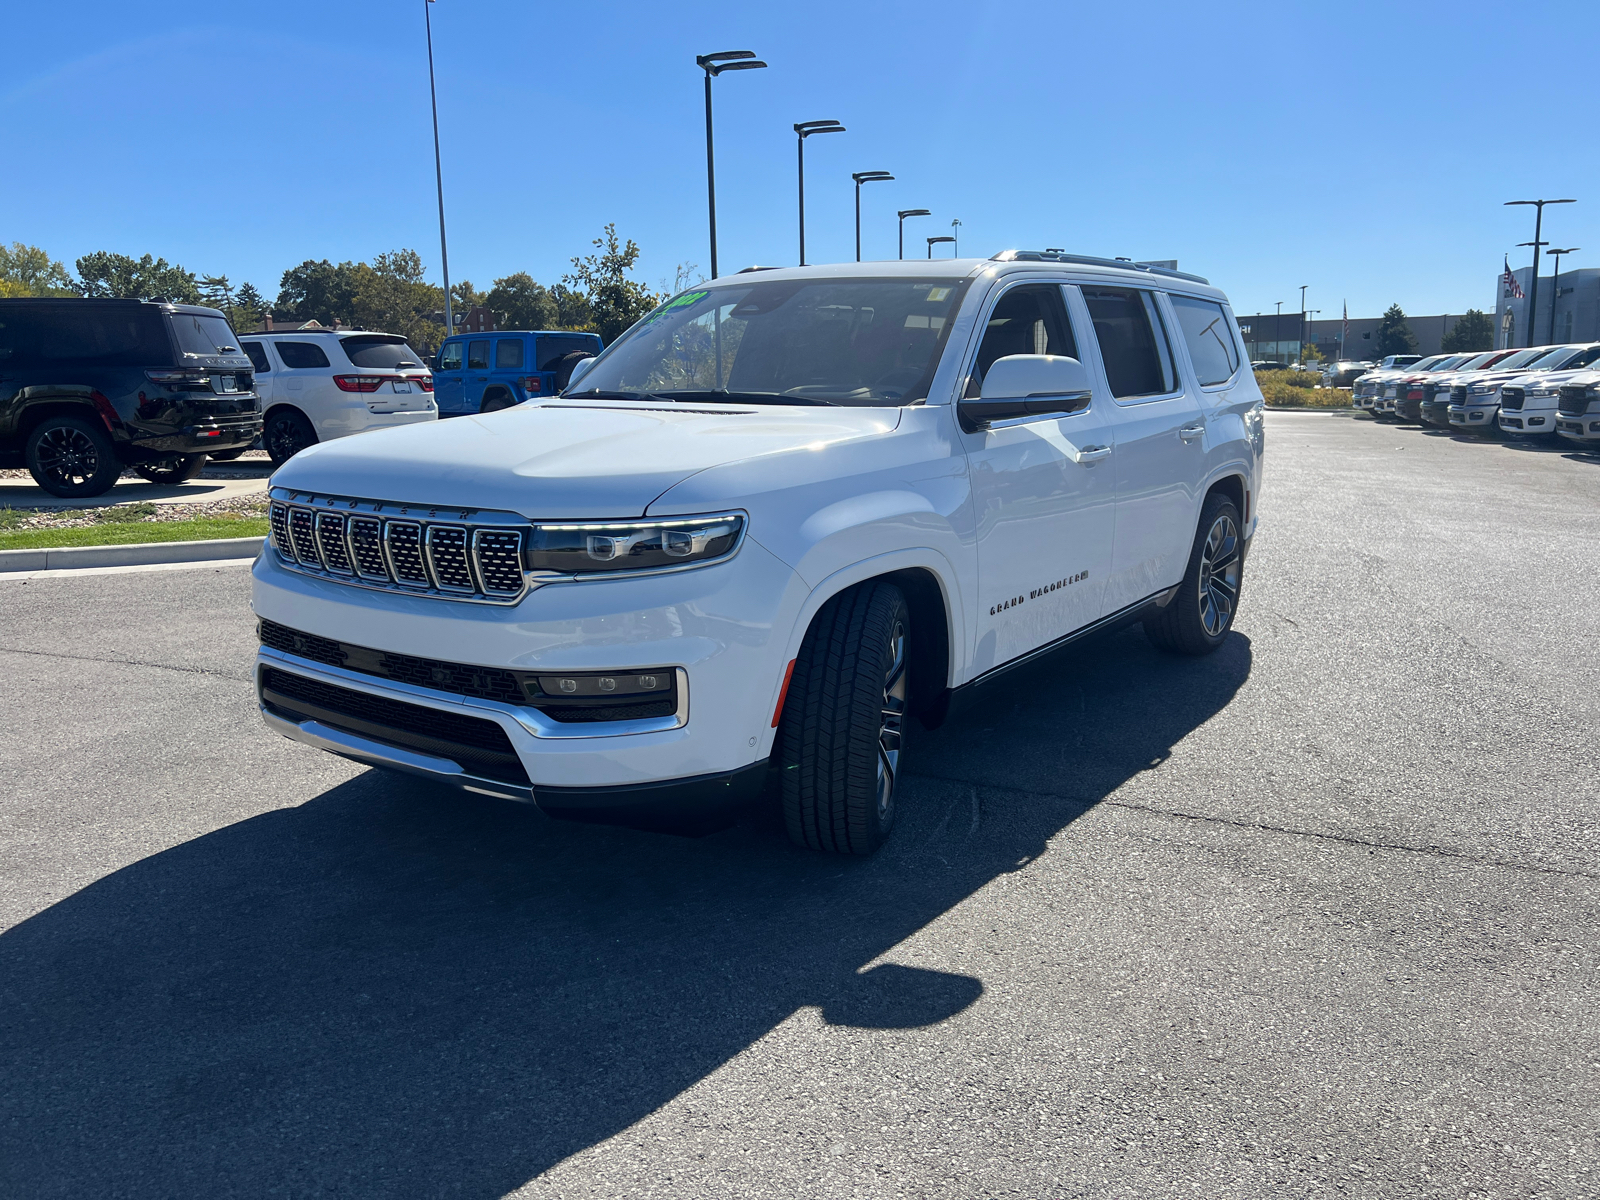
<point x="1362" y="148"/>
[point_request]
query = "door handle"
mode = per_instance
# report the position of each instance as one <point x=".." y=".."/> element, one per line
<point x="1092" y="454"/>
<point x="1189" y="432"/>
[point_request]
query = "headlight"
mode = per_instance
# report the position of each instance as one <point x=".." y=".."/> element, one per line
<point x="1485" y="389"/>
<point x="1541" y="393"/>
<point x="615" y="547"/>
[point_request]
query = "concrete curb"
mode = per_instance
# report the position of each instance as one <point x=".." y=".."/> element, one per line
<point x="1343" y="408"/>
<point x="55" y="558"/>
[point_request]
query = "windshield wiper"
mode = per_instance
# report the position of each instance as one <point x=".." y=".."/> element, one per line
<point x="723" y="396"/>
<point x="598" y="394"/>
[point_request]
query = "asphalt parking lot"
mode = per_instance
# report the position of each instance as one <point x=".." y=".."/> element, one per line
<point x="1314" y="915"/>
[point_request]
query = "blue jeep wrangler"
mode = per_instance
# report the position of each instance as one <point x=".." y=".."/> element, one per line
<point x="482" y="372"/>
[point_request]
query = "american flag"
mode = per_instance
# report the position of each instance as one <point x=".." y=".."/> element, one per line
<point x="1513" y="288"/>
<point x="1346" y="333"/>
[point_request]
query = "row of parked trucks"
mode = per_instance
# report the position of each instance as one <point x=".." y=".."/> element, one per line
<point x="1538" y="392"/>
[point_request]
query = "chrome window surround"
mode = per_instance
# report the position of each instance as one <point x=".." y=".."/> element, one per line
<point x="514" y="718"/>
<point x="485" y="535"/>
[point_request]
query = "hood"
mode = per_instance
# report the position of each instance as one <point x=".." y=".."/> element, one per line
<point x="1556" y="379"/>
<point x="565" y="459"/>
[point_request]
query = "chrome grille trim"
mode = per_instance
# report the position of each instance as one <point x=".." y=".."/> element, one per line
<point x="445" y="553"/>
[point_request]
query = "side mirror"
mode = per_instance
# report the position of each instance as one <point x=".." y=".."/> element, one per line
<point x="1027" y="385"/>
<point x="579" y="370"/>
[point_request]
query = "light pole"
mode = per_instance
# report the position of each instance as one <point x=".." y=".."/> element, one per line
<point x="803" y="130"/>
<point x="935" y="240"/>
<point x="1277" y="329"/>
<point x="1538" y="227"/>
<point x="909" y="212"/>
<point x="716" y="64"/>
<point x="955" y="226"/>
<point x="865" y="177"/>
<point x="1556" y="299"/>
<point x="1301" y="353"/>
<point x="438" y="173"/>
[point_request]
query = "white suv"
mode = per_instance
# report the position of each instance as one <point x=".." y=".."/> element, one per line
<point x="779" y="515"/>
<point x="1578" y="410"/>
<point x="316" y="385"/>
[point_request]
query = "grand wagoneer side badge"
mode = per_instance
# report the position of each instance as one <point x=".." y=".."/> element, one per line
<point x="1035" y="593"/>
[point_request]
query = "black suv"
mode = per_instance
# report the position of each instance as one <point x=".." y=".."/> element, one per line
<point x="89" y="386"/>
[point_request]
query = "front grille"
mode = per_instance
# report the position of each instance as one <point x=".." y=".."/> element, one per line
<point x="1458" y="394"/>
<point x="1574" y="401"/>
<point x="1511" y="397"/>
<point x="462" y="679"/>
<point x="480" y="746"/>
<point x="466" y="559"/>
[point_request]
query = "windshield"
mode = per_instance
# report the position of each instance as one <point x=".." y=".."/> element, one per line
<point x="1521" y="358"/>
<point x="199" y="334"/>
<point x="375" y="350"/>
<point x="858" y="342"/>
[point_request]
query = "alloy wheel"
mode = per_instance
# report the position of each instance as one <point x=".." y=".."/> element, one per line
<point x="284" y="440"/>
<point x="68" y="456"/>
<point x="1219" y="575"/>
<point x="892" y="721"/>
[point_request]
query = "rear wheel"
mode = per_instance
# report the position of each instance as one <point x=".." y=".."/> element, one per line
<point x="287" y="433"/>
<point x="843" y="720"/>
<point x="178" y="469"/>
<point x="70" y="457"/>
<point x="495" y="401"/>
<point x="1197" y="620"/>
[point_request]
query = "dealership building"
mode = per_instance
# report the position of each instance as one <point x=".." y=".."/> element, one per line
<point x="1269" y="337"/>
<point x="1574" y="304"/>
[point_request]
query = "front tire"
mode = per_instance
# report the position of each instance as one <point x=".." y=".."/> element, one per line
<point x="287" y="432"/>
<point x="1198" y="619"/>
<point x="843" y="722"/>
<point x="179" y="469"/>
<point x="71" y="458"/>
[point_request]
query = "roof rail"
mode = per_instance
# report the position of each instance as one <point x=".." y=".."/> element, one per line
<point x="1092" y="261"/>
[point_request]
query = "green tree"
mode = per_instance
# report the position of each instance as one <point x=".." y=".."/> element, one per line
<point x="216" y="291"/>
<point x="464" y="296"/>
<point x="249" y="307"/>
<point x="392" y="296"/>
<point x="1394" y="334"/>
<point x="518" y="302"/>
<point x="317" y="290"/>
<point x="1310" y="354"/>
<point x="1474" y="331"/>
<point x="29" y="271"/>
<point x="106" y="276"/>
<point x="573" y="310"/>
<point x="615" y="301"/>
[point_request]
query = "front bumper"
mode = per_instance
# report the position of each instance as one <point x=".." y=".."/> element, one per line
<point x="1532" y="422"/>
<point x="725" y="628"/>
<point x="1436" y="412"/>
<point x="1473" y="416"/>
<point x="1579" y="429"/>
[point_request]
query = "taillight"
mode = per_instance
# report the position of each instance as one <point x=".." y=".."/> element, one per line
<point x="180" y="378"/>
<point x="425" y="382"/>
<point x="532" y="384"/>
<point x="360" y="383"/>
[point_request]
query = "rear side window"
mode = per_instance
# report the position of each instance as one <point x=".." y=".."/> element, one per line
<point x="552" y="349"/>
<point x="258" y="357"/>
<point x="478" y="356"/>
<point x="1209" y="338"/>
<point x="1026" y="320"/>
<point x="1584" y="357"/>
<point x="203" y="335"/>
<point x="508" y="354"/>
<point x="1133" y="343"/>
<point x="371" y="350"/>
<point x="450" y="357"/>
<point x="301" y="355"/>
<point x="41" y="335"/>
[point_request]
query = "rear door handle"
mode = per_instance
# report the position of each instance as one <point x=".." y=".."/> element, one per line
<point x="1092" y="454"/>
<point x="1189" y="432"/>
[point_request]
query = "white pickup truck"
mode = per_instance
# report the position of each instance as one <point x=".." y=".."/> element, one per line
<point x="784" y="512"/>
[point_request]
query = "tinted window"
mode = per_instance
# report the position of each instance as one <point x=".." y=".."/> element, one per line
<point x="1026" y="320"/>
<point x="108" y="335"/>
<point x="853" y="341"/>
<point x="450" y="357"/>
<point x="508" y="354"/>
<point x="551" y="349"/>
<point x="207" y="336"/>
<point x="478" y="356"/>
<point x="1132" y="341"/>
<point x="1210" y="340"/>
<point x="372" y="350"/>
<point x="301" y="355"/>
<point x="258" y="357"/>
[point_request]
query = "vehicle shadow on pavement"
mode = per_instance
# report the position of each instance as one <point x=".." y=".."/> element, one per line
<point x="393" y="989"/>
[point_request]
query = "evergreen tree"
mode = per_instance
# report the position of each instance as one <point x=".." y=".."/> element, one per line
<point x="1474" y="331"/>
<point x="1394" y="334"/>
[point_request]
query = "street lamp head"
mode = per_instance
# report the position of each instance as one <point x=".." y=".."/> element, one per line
<point x="1568" y="250"/>
<point x="1541" y="202"/>
<point x="707" y="60"/>
<point x="806" y="128"/>
<point x="870" y="176"/>
<point x="915" y="212"/>
<point x="752" y="65"/>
